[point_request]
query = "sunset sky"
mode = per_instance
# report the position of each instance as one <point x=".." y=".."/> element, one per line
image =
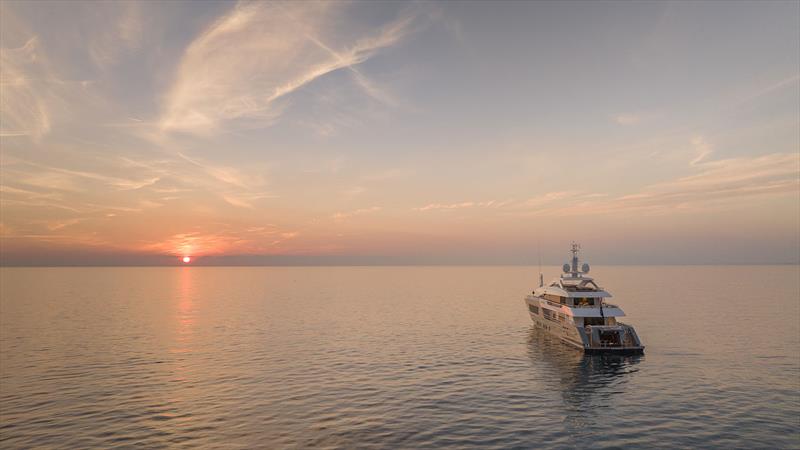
<point x="380" y="133"/>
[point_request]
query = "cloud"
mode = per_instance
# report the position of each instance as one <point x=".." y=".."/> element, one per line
<point x="37" y="90"/>
<point x="353" y="191"/>
<point x="339" y="216"/>
<point x="462" y="205"/>
<point x="235" y="201"/>
<point x="715" y="183"/>
<point x="257" y="54"/>
<point x="627" y="119"/>
<point x="24" y="109"/>
<point x="226" y="175"/>
<point x="724" y="182"/>
<point x="549" y="198"/>
<point x="770" y="89"/>
<point x="224" y="240"/>
<point x="234" y="186"/>
<point x="57" y="225"/>
<point x="743" y="174"/>
<point x="59" y="178"/>
<point x="121" y="30"/>
<point x="703" y="149"/>
<point x="12" y="196"/>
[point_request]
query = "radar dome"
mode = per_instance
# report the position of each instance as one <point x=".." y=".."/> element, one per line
<point x="585" y="268"/>
<point x="566" y="268"/>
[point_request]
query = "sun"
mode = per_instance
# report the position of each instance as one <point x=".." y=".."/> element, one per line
<point x="187" y="259"/>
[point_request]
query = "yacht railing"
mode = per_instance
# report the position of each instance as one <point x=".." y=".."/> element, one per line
<point x="605" y="305"/>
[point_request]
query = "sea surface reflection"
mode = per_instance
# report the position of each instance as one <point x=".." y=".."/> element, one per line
<point x="588" y="384"/>
<point x="399" y="357"/>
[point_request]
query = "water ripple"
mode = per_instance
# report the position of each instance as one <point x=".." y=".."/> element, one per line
<point x="384" y="357"/>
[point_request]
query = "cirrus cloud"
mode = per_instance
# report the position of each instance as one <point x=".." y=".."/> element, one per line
<point x="247" y="61"/>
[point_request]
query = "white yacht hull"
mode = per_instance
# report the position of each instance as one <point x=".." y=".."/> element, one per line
<point x="563" y="332"/>
<point x="586" y="339"/>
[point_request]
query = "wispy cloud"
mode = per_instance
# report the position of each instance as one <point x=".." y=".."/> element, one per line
<point x="703" y="149"/>
<point x="715" y="183"/>
<point x="227" y="175"/>
<point x="60" y="178"/>
<point x="24" y="110"/>
<point x="39" y="90"/>
<point x="339" y="216"/>
<point x="120" y="31"/>
<point x="739" y="175"/>
<point x="461" y="205"/>
<point x="57" y="225"/>
<point x="769" y="89"/>
<point x="237" y="188"/>
<point x="223" y="240"/>
<point x="627" y="119"/>
<point x="241" y="66"/>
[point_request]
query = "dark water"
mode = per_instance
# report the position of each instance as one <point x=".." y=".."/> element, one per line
<point x="394" y="357"/>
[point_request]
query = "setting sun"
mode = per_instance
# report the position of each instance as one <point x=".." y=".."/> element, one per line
<point x="187" y="259"/>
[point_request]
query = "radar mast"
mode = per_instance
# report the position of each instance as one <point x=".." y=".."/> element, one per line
<point x="575" y="248"/>
<point x="572" y="269"/>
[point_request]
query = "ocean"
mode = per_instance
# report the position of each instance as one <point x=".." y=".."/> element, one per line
<point x="391" y="357"/>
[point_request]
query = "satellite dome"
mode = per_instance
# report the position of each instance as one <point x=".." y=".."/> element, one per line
<point x="566" y="268"/>
<point x="585" y="268"/>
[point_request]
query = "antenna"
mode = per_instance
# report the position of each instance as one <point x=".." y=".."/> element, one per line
<point x="575" y="248"/>
<point x="539" y="250"/>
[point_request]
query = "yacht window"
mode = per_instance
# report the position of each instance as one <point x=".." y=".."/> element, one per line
<point x="556" y="299"/>
<point x="550" y="315"/>
<point x="533" y="309"/>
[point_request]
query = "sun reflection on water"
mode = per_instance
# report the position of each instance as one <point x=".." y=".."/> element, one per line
<point x="184" y="322"/>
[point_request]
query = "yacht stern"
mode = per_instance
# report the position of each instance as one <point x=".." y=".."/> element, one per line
<point x="620" y="338"/>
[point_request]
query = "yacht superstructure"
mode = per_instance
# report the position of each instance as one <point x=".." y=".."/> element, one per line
<point x="573" y="308"/>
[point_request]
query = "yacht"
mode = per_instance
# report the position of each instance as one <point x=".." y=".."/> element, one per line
<point x="573" y="308"/>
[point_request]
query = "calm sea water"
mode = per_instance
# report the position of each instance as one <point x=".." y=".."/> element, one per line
<point x="393" y="357"/>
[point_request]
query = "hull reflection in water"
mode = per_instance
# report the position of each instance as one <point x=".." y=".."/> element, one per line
<point x="590" y="384"/>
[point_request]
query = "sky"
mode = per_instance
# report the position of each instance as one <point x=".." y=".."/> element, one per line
<point x="399" y="132"/>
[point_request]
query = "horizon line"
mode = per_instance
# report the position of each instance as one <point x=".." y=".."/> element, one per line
<point x="46" y="266"/>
